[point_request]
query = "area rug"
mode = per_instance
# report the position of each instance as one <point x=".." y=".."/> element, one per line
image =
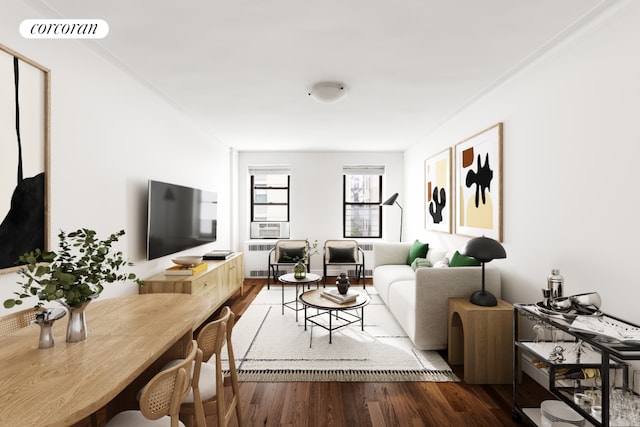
<point x="273" y="347"/>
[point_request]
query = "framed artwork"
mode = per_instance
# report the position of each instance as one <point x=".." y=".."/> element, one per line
<point x="24" y="157"/>
<point x="478" y="175"/>
<point x="437" y="192"/>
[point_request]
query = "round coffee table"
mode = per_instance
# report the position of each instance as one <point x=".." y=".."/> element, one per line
<point x="314" y="299"/>
<point x="290" y="279"/>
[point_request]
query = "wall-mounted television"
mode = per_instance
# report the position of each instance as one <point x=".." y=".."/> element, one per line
<point x="179" y="218"/>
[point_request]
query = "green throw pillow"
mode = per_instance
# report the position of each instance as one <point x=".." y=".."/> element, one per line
<point x="419" y="263"/>
<point x="418" y="250"/>
<point x="459" y="260"/>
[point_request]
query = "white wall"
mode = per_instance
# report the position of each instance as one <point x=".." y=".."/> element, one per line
<point x="316" y="192"/>
<point x="571" y="151"/>
<point x="110" y="134"/>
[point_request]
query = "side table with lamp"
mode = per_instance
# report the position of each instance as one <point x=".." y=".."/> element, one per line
<point x="480" y="329"/>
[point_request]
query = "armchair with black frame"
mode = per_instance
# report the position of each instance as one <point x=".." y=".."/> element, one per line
<point x="286" y="253"/>
<point x="343" y="253"/>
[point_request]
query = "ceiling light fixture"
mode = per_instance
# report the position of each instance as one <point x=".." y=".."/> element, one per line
<point x="328" y="92"/>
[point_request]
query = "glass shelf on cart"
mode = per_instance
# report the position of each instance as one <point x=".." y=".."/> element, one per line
<point x="588" y="356"/>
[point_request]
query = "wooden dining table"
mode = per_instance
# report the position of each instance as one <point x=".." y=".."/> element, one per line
<point x="85" y="383"/>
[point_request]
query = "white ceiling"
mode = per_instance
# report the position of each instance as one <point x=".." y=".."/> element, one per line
<point x="241" y="69"/>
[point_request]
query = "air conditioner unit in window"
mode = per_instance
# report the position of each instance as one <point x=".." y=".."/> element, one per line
<point x="269" y="230"/>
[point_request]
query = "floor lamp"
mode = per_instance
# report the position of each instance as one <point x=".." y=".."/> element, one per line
<point x="390" y="201"/>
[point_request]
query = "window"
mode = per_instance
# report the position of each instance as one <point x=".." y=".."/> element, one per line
<point x="270" y="201"/>
<point x="362" y="194"/>
<point x="270" y="198"/>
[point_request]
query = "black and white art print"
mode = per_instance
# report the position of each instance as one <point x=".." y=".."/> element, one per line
<point x="24" y="157"/>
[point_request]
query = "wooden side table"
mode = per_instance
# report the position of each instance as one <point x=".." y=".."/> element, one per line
<point x="481" y="338"/>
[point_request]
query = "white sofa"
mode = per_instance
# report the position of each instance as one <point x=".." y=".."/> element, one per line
<point x="419" y="300"/>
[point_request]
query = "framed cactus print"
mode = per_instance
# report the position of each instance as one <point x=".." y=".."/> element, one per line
<point x="437" y="192"/>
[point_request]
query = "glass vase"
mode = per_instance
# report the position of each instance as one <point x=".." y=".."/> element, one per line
<point x="300" y="270"/>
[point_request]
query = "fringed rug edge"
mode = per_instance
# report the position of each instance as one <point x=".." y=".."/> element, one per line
<point x="344" y="375"/>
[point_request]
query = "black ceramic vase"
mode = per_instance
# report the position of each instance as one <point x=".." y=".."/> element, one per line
<point x="342" y="282"/>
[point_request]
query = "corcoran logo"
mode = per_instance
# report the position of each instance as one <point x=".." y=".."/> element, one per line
<point x="64" y="28"/>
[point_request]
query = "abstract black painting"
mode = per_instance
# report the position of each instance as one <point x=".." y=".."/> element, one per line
<point x="24" y="157"/>
<point x="478" y="175"/>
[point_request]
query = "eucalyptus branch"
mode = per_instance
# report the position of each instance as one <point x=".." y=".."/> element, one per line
<point x="75" y="273"/>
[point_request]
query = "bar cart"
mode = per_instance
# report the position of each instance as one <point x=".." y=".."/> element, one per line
<point x="583" y="355"/>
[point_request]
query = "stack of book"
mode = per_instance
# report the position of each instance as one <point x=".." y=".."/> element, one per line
<point x="181" y="270"/>
<point x="335" y="296"/>
<point x="218" y="255"/>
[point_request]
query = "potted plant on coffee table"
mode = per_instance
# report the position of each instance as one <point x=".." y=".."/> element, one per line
<point x="73" y="276"/>
<point x="300" y="269"/>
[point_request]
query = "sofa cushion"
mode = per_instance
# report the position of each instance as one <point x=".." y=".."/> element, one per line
<point x="402" y="304"/>
<point x="418" y="250"/>
<point x="443" y="263"/>
<point x="459" y="260"/>
<point x="344" y="255"/>
<point x="385" y="275"/>
<point x="434" y="255"/>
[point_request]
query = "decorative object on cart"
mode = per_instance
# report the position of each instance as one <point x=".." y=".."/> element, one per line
<point x="484" y="250"/>
<point x="586" y="304"/>
<point x="555" y="411"/>
<point x="73" y="276"/>
<point x="390" y="201"/>
<point x="45" y="319"/>
<point x="555" y="284"/>
<point x="342" y="282"/>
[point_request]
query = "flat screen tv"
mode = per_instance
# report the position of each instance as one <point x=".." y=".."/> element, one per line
<point x="179" y="218"/>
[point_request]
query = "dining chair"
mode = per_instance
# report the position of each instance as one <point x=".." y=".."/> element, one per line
<point x="211" y="340"/>
<point x="17" y="320"/>
<point x="161" y="398"/>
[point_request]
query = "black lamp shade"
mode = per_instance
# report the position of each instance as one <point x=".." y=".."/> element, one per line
<point x="484" y="249"/>
<point x="391" y="200"/>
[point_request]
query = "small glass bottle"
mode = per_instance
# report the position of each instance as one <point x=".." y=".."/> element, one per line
<point x="555" y="283"/>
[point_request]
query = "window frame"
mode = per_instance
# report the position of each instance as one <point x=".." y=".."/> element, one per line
<point x="254" y="204"/>
<point x="345" y="204"/>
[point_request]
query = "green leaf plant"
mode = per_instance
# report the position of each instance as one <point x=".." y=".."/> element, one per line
<point x="75" y="274"/>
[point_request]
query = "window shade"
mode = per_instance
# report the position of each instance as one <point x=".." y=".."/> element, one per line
<point x="270" y="170"/>
<point x="363" y="170"/>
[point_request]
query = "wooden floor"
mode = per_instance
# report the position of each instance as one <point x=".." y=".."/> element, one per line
<point x="374" y="404"/>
